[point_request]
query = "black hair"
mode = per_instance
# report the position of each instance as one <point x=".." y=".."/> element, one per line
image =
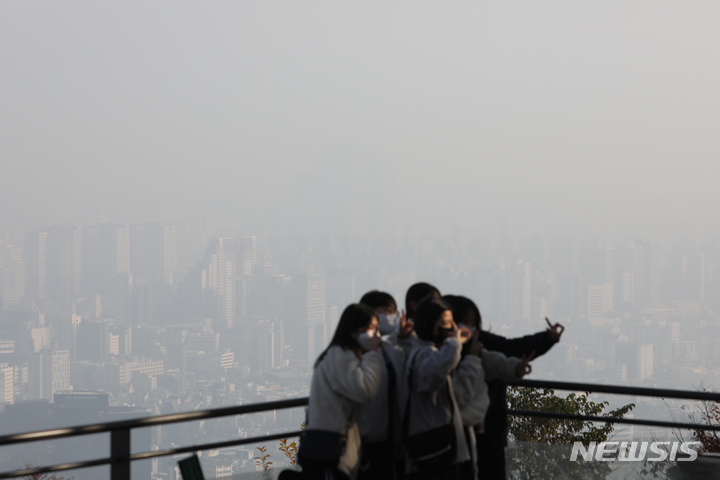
<point x="376" y="299"/>
<point x="353" y="318"/>
<point x="461" y="307"/>
<point x="426" y="316"/>
<point x="417" y="293"/>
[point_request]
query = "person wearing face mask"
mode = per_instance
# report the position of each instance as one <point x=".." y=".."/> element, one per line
<point x="380" y="424"/>
<point x="346" y="377"/>
<point x="469" y="382"/>
<point x="491" y="435"/>
<point x="432" y="425"/>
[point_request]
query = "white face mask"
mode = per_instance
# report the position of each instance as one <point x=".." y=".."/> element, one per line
<point x="365" y="339"/>
<point x="472" y="329"/>
<point x="389" y="322"/>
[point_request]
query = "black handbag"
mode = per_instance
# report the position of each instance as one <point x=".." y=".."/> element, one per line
<point x="321" y="447"/>
<point x="431" y="449"/>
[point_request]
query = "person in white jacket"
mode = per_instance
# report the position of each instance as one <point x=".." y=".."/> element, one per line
<point x="431" y="405"/>
<point x="347" y="377"/>
<point x="380" y="424"/>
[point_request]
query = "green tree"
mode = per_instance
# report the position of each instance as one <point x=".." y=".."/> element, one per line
<point x="707" y="412"/>
<point x="541" y="446"/>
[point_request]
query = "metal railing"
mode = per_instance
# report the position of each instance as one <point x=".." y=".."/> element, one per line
<point x="121" y="457"/>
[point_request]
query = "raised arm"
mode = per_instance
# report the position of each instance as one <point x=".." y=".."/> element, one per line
<point x="539" y="343"/>
<point x="354" y="379"/>
<point x="435" y="365"/>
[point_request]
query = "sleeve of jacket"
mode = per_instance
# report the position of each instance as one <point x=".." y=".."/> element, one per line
<point x="540" y="343"/>
<point x="354" y="379"/>
<point x="499" y="367"/>
<point x="436" y="365"/>
<point x="466" y="379"/>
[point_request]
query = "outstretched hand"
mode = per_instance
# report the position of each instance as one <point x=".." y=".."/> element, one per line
<point x="555" y="330"/>
<point x="406" y="326"/>
<point x="524" y="366"/>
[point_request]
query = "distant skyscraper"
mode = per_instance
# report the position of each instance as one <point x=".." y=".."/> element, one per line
<point x="486" y="293"/>
<point x="35" y="264"/>
<point x="13" y="276"/>
<point x="153" y="252"/>
<point x="222" y="266"/>
<point x="306" y="316"/>
<point x="7" y="384"/>
<point x="645" y="361"/>
<point x="526" y="294"/>
<point x="123" y="299"/>
<point x="248" y="255"/>
<point x="53" y="263"/>
<point x="49" y="372"/>
<point x="106" y="253"/>
<point x="600" y="299"/>
<point x="92" y="340"/>
<point x="266" y="296"/>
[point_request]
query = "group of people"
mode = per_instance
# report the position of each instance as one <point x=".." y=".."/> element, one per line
<point x="414" y="394"/>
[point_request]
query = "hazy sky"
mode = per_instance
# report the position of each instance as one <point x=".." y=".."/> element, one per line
<point x="562" y="115"/>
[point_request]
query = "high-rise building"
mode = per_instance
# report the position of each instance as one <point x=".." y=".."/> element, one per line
<point x="223" y="280"/>
<point x="120" y="340"/>
<point x="49" y="372"/>
<point x="262" y="344"/>
<point x="7" y="384"/>
<point x="248" y="256"/>
<point x="153" y="252"/>
<point x="526" y="294"/>
<point x="106" y="254"/>
<point x="53" y="263"/>
<point x="123" y="299"/>
<point x="306" y="316"/>
<point x="92" y="340"/>
<point x="266" y="295"/>
<point x="600" y="299"/>
<point x="13" y="276"/>
<point x="227" y="360"/>
<point x="645" y="361"/>
<point x="176" y="350"/>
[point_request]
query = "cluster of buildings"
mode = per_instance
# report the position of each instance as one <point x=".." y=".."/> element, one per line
<point x="156" y="318"/>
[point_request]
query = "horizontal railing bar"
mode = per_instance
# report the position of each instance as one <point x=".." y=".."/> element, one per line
<point x="151" y="421"/>
<point x="56" y="468"/>
<point x="210" y="446"/>
<point x="147" y="455"/>
<point x="299" y="402"/>
<point x="631" y="421"/>
<point x="618" y="389"/>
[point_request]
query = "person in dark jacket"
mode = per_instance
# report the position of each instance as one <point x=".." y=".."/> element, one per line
<point x="492" y="442"/>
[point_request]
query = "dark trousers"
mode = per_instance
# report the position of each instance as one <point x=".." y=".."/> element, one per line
<point x="451" y="472"/>
<point x="314" y="473"/>
<point x="491" y="463"/>
<point x="378" y="462"/>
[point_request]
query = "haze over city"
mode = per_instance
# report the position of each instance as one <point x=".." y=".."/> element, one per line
<point x="193" y="192"/>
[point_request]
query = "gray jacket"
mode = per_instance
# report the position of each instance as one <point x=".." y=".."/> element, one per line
<point x="432" y="402"/>
<point x="341" y="385"/>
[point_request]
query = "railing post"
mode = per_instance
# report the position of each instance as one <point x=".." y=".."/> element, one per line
<point x="120" y="454"/>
